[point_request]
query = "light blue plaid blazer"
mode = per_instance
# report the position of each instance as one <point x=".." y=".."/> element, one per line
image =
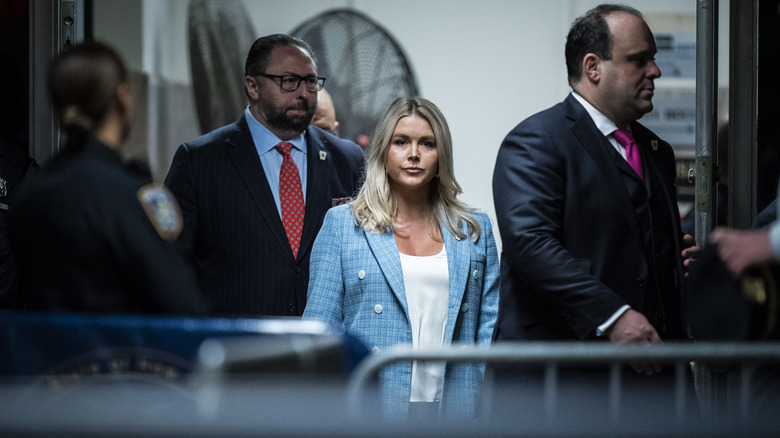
<point x="356" y="280"/>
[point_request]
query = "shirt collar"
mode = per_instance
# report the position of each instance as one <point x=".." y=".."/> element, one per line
<point x="265" y="140"/>
<point x="602" y="122"/>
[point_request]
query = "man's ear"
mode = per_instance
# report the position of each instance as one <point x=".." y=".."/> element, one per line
<point x="591" y="68"/>
<point x="252" y="87"/>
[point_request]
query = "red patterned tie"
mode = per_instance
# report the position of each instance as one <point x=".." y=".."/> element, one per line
<point x="291" y="197"/>
<point x="632" y="152"/>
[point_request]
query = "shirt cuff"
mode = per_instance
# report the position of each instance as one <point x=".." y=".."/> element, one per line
<point x="600" y="330"/>
<point x="774" y="238"/>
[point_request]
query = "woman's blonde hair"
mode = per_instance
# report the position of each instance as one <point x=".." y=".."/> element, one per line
<point x="375" y="207"/>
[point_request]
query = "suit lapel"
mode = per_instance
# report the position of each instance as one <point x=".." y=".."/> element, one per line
<point x="650" y="155"/>
<point x="243" y="153"/>
<point x="598" y="147"/>
<point x="317" y="200"/>
<point x="625" y="168"/>
<point x="653" y="165"/>
<point x="385" y="251"/>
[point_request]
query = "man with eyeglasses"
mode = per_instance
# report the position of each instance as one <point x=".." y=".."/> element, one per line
<point x="254" y="193"/>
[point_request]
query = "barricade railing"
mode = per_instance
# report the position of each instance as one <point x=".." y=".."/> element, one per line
<point x="552" y="356"/>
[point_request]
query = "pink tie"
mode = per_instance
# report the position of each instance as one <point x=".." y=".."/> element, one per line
<point x="632" y="152"/>
<point x="291" y="197"/>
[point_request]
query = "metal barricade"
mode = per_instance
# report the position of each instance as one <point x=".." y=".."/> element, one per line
<point x="553" y="356"/>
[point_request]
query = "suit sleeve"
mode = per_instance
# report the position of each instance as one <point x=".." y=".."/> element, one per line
<point x="325" y="300"/>
<point x="488" y="311"/>
<point x="179" y="182"/>
<point x="532" y="190"/>
<point x="774" y="238"/>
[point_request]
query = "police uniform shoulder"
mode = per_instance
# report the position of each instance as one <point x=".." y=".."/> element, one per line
<point x="162" y="209"/>
<point x="139" y="168"/>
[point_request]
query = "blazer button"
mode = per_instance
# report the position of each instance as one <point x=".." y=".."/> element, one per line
<point x="378" y="308"/>
<point x="291" y="307"/>
<point x="361" y="274"/>
<point x="375" y="350"/>
<point x="464" y="307"/>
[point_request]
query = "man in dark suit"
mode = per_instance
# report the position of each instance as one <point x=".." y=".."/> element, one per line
<point x="236" y="217"/>
<point x="592" y="247"/>
<point x="591" y="236"/>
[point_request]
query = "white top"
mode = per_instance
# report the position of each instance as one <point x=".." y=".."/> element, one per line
<point x="426" y="280"/>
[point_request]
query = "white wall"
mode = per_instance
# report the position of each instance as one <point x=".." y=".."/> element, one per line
<point x="487" y="64"/>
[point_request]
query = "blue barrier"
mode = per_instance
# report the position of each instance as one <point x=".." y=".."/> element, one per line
<point x="64" y="344"/>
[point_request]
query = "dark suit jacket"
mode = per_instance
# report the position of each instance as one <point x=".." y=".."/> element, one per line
<point x="232" y="228"/>
<point x="84" y="243"/>
<point x="582" y="233"/>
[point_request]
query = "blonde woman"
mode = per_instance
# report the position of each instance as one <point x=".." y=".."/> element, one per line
<point x="407" y="263"/>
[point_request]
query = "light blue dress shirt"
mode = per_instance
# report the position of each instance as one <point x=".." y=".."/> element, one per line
<point x="265" y="142"/>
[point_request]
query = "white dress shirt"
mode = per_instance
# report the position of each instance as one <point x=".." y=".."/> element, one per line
<point x="426" y="282"/>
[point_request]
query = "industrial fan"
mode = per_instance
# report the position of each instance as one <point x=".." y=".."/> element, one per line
<point x="365" y="68"/>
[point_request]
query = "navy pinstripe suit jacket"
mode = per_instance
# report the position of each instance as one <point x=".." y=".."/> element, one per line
<point x="232" y="229"/>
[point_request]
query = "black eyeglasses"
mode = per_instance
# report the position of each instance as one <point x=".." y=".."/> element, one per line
<point x="292" y="82"/>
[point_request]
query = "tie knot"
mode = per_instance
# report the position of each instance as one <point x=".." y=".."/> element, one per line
<point x="284" y="148"/>
<point x="623" y="137"/>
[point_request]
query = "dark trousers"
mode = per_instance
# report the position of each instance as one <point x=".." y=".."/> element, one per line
<point x="583" y="399"/>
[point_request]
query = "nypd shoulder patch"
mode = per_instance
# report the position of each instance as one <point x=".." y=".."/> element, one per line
<point x="162" y="209"/>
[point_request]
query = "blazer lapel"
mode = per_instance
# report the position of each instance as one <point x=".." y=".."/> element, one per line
<point x="243" y="153"/>
<point x="458" y="265"/>
<point x="626" y="168"/>
<point x="649" y="154"/>
<point x="386" y="254"/>
<point x="385" y="251"/>
<point x="317" y="199"/>
<point x="598" y="147"/>
<point x="653" y="164"/>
